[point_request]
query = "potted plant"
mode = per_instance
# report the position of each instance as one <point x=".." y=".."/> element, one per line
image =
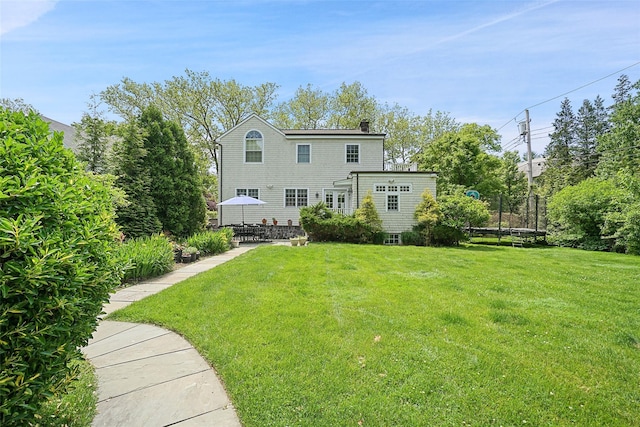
<point x="302" y="240"/>
<point x="177" y="252"/>
<point x="294" y="241"/>
<point x="275" y="221"/>
<point x="189" y="254"/>
<point x="264" y="221"/>
<point x="289" y="222"/>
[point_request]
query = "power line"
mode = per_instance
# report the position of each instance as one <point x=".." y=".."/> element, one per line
<point x="567" y="93"/>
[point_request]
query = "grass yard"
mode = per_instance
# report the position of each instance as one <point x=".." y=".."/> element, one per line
<point x="345" y="335"/>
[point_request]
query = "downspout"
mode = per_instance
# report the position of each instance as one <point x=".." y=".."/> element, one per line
<point x="220" y="185"/>
<point x="357" y="190"/>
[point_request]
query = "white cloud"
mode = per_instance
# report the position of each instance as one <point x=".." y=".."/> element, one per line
<point x="15" y="14"/>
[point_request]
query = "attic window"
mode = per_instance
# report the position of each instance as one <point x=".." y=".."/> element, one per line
<point x="253" y="145"/>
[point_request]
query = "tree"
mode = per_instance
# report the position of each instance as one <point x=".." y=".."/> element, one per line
<point x="176" y="187"/>
<point x="559" y="165"/>
<point x="58" y="243"/>
<point x="401" y="127"/>
<point x="590" y="123"/>
<point x="93" y="134"/>
<point x="17" y="104"/>
<point x="427" y="215"/>
<point x="515" y="184"/>
<point x="204" y="107"/>
<point x="368" y="214"/>
<point x="620" y="147"/>
<point x="464" y="160"/>
<point x="139" y="216"/>
<point x="308" y="109"/>
<point x="350" y="105"/>
<point x="578" y="213"/>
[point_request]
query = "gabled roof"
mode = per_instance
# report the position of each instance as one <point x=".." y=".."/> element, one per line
<point x="305" y="132"/>
<point x="69" y="137"/>
<point x="250" y="117"/>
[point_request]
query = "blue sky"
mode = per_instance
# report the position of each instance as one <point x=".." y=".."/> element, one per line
<point x="480" y="61"/>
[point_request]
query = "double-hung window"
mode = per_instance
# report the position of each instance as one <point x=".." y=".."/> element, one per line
<point x="303" y="154"/>
<point x="296" y="197"/>
<point x="393" y="203"/>
<point x="251" y="192"/>
<point x="352" y="153"/>
<point x="253" y="146"/>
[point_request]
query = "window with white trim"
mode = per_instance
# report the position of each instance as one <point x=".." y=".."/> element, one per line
<point x="380" y="188"/>
<point x="296" y="197"/>
<point x="405" y="188"/>
<point x="393" y="203"/>
<point x="251" y="192"/>
<point x="253" y="146"/>
<point x="352" y="153"/>
<point x="392" y="239"/>
<point x="392" y="188"/>
<point x="303" y="154"/>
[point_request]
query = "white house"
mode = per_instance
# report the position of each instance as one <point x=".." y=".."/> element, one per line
<point x="290" y="169"/>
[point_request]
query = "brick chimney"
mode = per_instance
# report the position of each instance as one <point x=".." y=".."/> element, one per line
<point x="364" y="126"/>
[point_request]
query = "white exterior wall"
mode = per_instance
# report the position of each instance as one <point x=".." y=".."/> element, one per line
<point x="279" y="169"/>
<point x="401" y="220"/>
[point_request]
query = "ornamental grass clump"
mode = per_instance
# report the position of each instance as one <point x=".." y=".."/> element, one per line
<point x="211" y="242"/>
<point x="57" y="265"/>
<point x="147" y="256"/>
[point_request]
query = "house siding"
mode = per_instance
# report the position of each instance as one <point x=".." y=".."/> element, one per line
<point x="280" y="170"/>
<point x="401" y="220"/>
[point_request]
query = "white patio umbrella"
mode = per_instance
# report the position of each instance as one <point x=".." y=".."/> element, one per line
<point x="241" y="201"/>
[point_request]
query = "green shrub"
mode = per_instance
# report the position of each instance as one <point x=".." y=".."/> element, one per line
<point x="457" y="212"/>
<point x="147" y="256"/>
<point x="412" y="238"/>
<point x="446" y="235"/>
<point x="578" y="213"/>
<point x="212" y="242"/>
<point x="339" y="228"/>
<point x="57" y="245"/>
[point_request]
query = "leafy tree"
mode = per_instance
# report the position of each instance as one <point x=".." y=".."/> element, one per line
<point x="203" y="106"/>
<point x="139" y="216"/>
<point x="464" y="160"/>
<point x="57" y="246"/>
<point x="308" y="109"/>
<point x="93" y="135"/>
<point x="176" y="187"/>
<point x="350" y="104"/>
<point x="17" y="104"/>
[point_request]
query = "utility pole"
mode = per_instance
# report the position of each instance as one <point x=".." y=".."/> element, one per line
<point x="530" y="162"/>
<point x="529" y="159"/>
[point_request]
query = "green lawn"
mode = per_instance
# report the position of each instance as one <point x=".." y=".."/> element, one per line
<point x="345" y="335"/>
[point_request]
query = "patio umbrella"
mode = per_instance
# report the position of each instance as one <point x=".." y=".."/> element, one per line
<point x="241" y="201"/>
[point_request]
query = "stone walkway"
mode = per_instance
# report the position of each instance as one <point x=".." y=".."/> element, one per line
<point x="149" y="376"/>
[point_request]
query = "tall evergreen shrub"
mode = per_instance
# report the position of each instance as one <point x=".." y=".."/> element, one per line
<point x="176" y="188"/>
